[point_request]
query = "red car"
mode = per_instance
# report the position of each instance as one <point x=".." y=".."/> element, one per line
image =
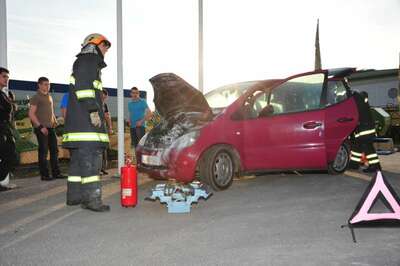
<point x="299" y="123"/>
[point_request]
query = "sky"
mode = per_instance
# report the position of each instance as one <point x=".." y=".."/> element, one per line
<point x="243" y="39"/>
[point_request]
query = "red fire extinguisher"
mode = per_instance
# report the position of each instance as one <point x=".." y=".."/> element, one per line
<point x="128" y="185"/>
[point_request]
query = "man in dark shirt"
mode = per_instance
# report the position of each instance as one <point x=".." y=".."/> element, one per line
<point x="8" y="153"/>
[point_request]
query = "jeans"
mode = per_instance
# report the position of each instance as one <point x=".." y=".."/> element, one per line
<point x="136" y="134"/>
<point x="47" y="143"/>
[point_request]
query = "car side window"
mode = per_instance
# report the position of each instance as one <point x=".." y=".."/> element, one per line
<point x="336" y="92"/>
<point x="298" y="94"/>
<point x="260" y="101"/>
<point x="254" y="104"/>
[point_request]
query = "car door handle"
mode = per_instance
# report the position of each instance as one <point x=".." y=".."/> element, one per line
<point x="312" y="125"/>
<point x="345" y="119"/>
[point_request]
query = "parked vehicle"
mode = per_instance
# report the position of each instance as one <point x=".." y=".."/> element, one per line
<point x="298" y="123"/>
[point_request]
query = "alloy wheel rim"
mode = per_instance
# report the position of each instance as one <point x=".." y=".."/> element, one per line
<point x="341" y="159"/>
<point x="223" y="169"/>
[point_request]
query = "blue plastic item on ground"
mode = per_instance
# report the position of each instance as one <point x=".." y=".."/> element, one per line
<point x="179" y="197"/>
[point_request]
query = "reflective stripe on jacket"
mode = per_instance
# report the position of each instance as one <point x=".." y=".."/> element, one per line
<point x="85" y="91"/>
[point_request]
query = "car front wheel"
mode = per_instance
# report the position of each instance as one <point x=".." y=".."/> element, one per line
<point x="217" y="167"/>
<point x="339" y="165"/>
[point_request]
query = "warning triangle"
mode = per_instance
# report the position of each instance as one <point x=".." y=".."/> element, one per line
<point x="379" y="188"/>
<point x="380" y="205"/>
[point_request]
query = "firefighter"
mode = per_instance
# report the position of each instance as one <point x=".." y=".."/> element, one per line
<point x="363" y="136"/>
<point x="85" y="132"/>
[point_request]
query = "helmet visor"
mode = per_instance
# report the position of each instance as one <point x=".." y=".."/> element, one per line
<point x="107" y="43"/>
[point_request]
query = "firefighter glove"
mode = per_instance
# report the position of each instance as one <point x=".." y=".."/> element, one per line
<point x="95" y="119"/>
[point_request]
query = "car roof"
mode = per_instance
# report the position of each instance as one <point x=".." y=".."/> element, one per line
<point x="340" y="72"/>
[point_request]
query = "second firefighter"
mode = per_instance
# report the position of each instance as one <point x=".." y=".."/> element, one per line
<point x="364" y="135"/>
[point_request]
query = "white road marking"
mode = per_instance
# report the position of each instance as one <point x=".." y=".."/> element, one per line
<point x="108" y="191"/>
<point x="36" y="197"/>
<point x="22" y="238"/>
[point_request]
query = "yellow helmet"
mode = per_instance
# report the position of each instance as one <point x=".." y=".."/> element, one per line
<point x="96" y="39"/>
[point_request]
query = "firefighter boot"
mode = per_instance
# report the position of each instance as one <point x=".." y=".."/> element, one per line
<point x="73" y="192"/>
<point x="372" y="169"/>
<point x="91" y="198"/>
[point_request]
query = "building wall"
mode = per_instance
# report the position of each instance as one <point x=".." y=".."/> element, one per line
<point x="26" y="89"/>
<point x="377" y="89"/>
<point x="111" y="102"/>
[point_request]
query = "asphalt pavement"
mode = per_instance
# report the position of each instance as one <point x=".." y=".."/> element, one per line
<point x="274" y="219"/>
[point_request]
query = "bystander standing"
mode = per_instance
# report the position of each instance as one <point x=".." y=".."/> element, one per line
<point x="63" y="105"/>
<point x="41" y="113"/>
<point x="139" y="112"/>
<point x="8" y="153"/>
<point x="108" y="124"/>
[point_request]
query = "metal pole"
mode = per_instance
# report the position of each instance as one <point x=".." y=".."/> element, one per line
<point x="398" y="89"/>
<point x="120" y="88"/>
<point x="201" y="73"/>
<point x="3" y="33"/>
<point x="317" y="59"/>
<point x="3" y="53"/>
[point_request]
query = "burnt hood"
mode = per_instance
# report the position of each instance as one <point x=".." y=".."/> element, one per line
<point x="173" y="95"/>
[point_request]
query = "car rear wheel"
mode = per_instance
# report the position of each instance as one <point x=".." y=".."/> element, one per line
<point x="339" y="165"/>
<point x="217" y="167"/>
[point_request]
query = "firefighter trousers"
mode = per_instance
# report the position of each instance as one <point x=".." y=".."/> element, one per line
<point x="364" y="145"/>
<point x="83" y="185"/>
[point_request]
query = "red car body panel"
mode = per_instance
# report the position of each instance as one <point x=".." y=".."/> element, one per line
<point x="181" y="165"/>
<point x="340" y="121"/>
<point x="303" y="140"/>
<point x="269" y="143"/>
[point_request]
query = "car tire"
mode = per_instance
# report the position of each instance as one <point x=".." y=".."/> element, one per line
<point x="339" y="165"/>
<point x="217" y="167"/>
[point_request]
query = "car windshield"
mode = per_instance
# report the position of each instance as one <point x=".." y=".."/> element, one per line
<point x="225" y="95"/>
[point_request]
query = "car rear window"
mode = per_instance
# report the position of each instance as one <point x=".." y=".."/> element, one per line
<point x="336" y="92"/>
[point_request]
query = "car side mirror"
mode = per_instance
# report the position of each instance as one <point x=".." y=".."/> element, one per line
<point x="238" y="115"/>
<point x="241" y="113"/>
<point x="266" y="111"/>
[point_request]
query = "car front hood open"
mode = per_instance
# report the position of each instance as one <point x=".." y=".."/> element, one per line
<point x="182" y="108"/>
<point x="173" y="95"/>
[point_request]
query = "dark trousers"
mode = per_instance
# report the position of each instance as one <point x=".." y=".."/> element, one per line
<point x="364" y="144"/>
<point x="46" y="144"/>
<point x="84" y="175"/>
<point x="8" y="153"/>
<point x="104" y="164"/>
<point x="136" y="134"/>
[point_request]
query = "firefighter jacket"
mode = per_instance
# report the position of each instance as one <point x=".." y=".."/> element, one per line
<point x="366" y="124"/>
<point x="85" y="97"/>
